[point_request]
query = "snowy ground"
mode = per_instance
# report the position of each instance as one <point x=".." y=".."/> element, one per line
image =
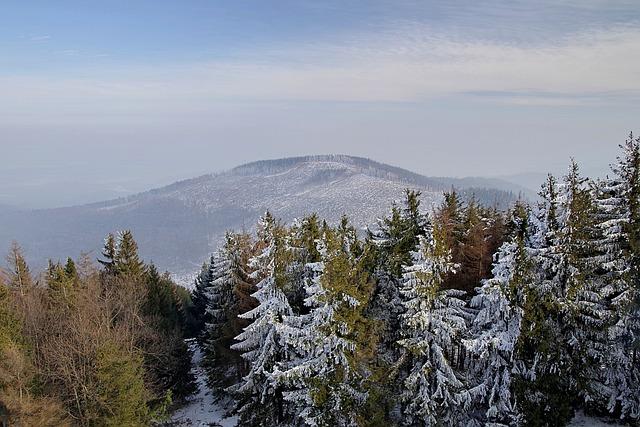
<point x="203" y="409"/>
<point x="581" y="420"/>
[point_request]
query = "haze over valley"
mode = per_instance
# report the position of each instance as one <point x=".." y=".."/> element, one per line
<point x="177" y="226"/>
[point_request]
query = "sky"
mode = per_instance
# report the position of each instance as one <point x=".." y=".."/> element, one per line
<point x="103" y="99"/>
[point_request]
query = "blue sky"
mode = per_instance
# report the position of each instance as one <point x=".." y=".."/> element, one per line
<point x="44" y="37"/>
<point x="123" y="95"/>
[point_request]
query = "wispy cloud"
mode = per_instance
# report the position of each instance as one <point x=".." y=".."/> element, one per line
<point x="40" y="38"/>
<point x="67" y="52"/>
<point x="405" y="64"/>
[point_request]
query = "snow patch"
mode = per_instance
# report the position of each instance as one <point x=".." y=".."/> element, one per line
<point x="582" y="420"/>
<point x="204" y="408"/>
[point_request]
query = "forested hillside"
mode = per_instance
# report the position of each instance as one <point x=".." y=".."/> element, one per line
<point x="179" y="225"/>
<point x="459" y="314"/>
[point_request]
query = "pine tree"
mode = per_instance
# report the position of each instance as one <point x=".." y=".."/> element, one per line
<point x="496" y="327"/>
<point x="449" y="217"/>
<point x="475" y="250"/>
<point x="19" y="274"/>
<point x="61" y="281"/>
<point x="261" y="343"/>
<point x="200" y="299"/>
<point x="71" y="271"/>
<point x="543" y="381"/>
<point x="218" y="311"/>
<point x="397" y="234"/>
<point x="306" y="233"/>
<point x="302" y="245"/>
<point x="386" y="251"/>
<point x="170" y="362"/>
<point x="121" y="258"/>
<point x="229" y="295"/>
<point x="348" y="237"/>
<point x="326" y="384"/>
<point x="394" y="239"/>
<point x="109" y="252"/>
<point x="548" y="209"/>
<point x="618" y="207"/>
<point x="433" y="327"/>
<point x="241" y="248"/>
<point x="586" y="310"/>
<point x="161" y="300"/>
<point x="121" y="392"/>
<point x="127" y="260"/>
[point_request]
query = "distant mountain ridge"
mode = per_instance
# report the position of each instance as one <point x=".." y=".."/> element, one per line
<point x="178" y="225"/>
<point x="371" y="167"/>
<point x="383" y="170"/>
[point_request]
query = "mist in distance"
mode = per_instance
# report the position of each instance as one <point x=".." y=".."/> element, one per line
<point x="506" y="89"/>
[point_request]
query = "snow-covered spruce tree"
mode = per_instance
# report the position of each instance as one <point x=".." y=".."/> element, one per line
<point x="450" y="217"/>
<point x="327" y="381"/>
<point x="198" y="316"/>
<point x="261" y="343"/>
<point x="217" y="285"/>
<point x="385" y="305"/>
<point x="433" y="327"/>
<point x="386" y="251"/>
<point x="496" y="327"/>
<point x="301" y="243"/>
<point x="586" y="309"/>
<point x="397" y="234"/>
<point x="227" y="295"/>
<point x="348" y="237"/>
<point x="542" y="374"/>
<point x="618" y="210"/>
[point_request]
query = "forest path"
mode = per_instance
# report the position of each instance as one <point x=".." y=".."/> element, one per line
<point x="203" y="408"/>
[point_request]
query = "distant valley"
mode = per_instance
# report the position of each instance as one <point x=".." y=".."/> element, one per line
<point x="178" y="225"/>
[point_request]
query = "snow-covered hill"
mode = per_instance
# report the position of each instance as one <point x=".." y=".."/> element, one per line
<point x="178" y="225"/>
